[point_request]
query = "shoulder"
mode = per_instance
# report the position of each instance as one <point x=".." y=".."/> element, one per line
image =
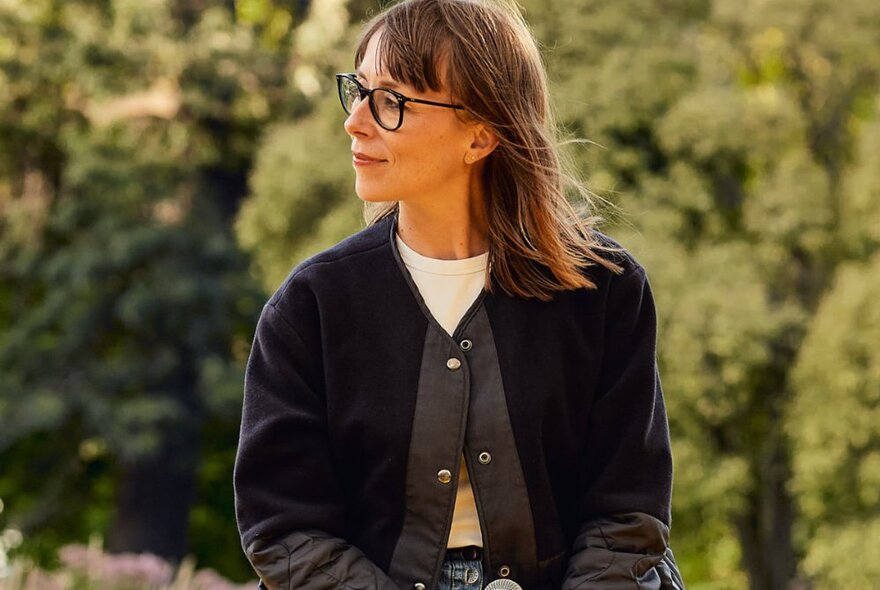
<point x="347" y="257"/>
<point x="628" y="270"/>
<point x="324" y="279"/>
<point x="347" y="252"/>
<point x="622" y="292"/>
<point x="628" y="299"/>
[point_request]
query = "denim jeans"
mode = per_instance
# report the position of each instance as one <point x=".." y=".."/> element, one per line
<point x="461" y="574"/>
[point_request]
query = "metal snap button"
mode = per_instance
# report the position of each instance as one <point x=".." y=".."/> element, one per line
<point x="466" y="345"/>
<point x="504" y="571"/>
<point x="444" y="476"/>
<point x="419" y="586"/>
<point x="485" y="458"/>
<point x="453" y="364"/>
<point x="471" y="576"/>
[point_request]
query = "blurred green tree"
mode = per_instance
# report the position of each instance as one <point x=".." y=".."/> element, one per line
<point x="302" y="189"/>
<point x="834" y="420"/>
<point x="728" y="129"/>
<point x="126" y="136"/>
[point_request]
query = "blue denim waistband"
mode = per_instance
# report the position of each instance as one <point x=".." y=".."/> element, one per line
<point x="461" y="574"/>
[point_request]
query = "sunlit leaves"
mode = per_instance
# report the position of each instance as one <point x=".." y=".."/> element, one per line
<point x="835" y="418"/>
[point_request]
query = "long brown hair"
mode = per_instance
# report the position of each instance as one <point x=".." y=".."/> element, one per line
<point x="495" y="69"/>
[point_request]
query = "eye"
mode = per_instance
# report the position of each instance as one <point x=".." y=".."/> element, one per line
<point x="390" y="102"/>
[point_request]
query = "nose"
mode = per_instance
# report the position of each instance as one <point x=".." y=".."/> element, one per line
<point x="360" y="121"/>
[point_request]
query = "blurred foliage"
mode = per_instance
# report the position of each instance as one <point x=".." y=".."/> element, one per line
<point x="126" y="136"/>
<point x="164" y="164"/>
<point x="834" y="421"/>
<point x="298" y="213"/>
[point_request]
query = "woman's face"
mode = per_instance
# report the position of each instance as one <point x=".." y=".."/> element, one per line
<point x="423" y="160"/>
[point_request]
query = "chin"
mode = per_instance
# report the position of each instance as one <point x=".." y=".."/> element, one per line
<point x="372" y="194"/>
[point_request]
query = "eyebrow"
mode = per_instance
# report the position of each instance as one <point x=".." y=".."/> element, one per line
<point x="385" y="82"/>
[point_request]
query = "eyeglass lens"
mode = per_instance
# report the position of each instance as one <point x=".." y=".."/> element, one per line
<point x="384" y="105"/>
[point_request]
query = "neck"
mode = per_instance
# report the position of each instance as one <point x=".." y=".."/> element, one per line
<point x="448" y="229"/>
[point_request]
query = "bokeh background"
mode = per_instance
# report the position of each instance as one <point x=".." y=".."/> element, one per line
<point x="164" y="163"/>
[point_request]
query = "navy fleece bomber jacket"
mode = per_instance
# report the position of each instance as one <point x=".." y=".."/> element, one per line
<point x="358" y="406"/>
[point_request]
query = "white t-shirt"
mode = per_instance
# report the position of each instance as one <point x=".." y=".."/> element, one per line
<point x="449" y="287"/>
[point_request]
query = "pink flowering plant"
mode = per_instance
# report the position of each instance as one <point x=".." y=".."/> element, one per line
<point x="88" y="568"/>
<point x="126" y="570"/>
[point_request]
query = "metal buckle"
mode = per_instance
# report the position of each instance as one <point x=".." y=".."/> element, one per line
<point x="503" y="584"/>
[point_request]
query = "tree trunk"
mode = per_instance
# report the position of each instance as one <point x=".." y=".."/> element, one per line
<point x="152" y="509"/>
<point x="765" y="529"/>
<point x="155" y="493"/>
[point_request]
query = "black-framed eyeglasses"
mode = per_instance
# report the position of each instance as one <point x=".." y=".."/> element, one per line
<point x="385" y="104"/>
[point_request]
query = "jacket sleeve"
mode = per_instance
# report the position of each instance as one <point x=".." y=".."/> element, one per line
<point x="626" y="472"/>
<point x="289" y="506"/>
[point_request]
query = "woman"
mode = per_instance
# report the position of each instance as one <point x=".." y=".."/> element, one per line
<point x="464" y="394"/>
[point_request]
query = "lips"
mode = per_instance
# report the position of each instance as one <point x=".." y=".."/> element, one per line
<point x="362" y="158"/>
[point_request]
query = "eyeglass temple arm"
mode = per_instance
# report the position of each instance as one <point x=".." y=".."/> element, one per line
<point x="431" y="102"/>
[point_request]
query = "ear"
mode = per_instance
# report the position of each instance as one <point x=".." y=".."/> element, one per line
<point x="483" y="143"/>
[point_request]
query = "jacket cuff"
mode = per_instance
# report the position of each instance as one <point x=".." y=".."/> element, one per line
<point x="623" y="551"/>
<point x="313" y="560"/>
